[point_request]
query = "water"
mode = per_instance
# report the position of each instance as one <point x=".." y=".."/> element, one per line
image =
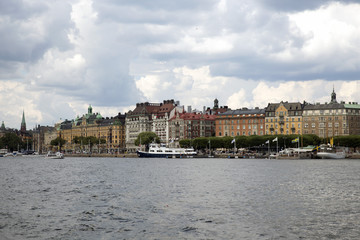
<point x="109" y="198"/>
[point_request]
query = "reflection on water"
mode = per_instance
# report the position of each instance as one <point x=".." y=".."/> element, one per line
<point x="95" y="198"/>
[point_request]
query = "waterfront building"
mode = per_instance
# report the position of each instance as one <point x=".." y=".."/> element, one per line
<point x="190" y="126"/>
<point x="112" y="130"/>
<point x="41" y="138"/>
<point x="49" y="135"/>
<point x="160" y="124"/>
<point x="240" y="122"/>
<point x="283" y="118"/>
<point x="332" y="119"/>
<point x="148" y="117"/>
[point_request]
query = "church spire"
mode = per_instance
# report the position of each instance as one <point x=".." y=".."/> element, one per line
<point x="23" y="123"/>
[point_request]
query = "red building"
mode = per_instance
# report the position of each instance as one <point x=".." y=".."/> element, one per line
<point x="191" y="125"/>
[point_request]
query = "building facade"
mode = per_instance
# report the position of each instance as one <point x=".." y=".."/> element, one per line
<point x="332" y="119"/>
<point x="112" y="130"/>
<point x="148" y="117"/>
<point x="190" y="126"/>
<point x="283" y="118"/>
<point x="240" y="122"/>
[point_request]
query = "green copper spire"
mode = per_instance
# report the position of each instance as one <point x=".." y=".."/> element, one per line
<point x="2" y="125"/>
<point x="23" y="123"/>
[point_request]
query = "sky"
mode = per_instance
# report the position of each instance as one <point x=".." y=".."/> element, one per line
<point x="57" y="57"/>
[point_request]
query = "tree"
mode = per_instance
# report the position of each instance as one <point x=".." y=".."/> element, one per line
<point x="58" y="142"/>
<point x="11" y="141"/>
<point x="185" y="143"/>
<point x="90" y="141"/>
<point x="146" y="138"/>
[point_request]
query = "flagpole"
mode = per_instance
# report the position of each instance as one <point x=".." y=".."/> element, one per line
<point x="234" y="145"/>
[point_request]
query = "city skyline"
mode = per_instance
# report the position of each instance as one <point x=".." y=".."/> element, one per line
<point x="56" y="58"/>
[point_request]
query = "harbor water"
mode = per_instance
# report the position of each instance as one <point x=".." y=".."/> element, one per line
<point x="123" y="198"/>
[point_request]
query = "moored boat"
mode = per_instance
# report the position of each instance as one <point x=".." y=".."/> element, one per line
<point x="52" y="155"/>
<point x="3" y="152"/>
<point x="161" y="151"/>
<point x="329" y="152"/>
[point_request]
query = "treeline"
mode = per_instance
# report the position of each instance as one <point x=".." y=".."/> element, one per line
<point x="282" y="141"/>
<point x="13" y="142"/>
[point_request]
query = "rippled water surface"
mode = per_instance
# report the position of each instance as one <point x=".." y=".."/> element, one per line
<point x="113" y="198"/>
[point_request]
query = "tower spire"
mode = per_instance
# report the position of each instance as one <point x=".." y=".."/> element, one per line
<point x="23" y="123"/>
<point x="333" y="96"/>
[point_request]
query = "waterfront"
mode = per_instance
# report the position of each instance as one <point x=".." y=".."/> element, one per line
<point x="121" y="198"/>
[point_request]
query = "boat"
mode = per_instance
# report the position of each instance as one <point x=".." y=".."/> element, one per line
<point x="161" y="151"/>
<point x="330" y="152"/>
<point x="3" y="152"/>
<point x="52" y="155"/>
<point x="296" y="153"/>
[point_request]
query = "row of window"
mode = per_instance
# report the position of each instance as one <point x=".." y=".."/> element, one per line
<point x="226" y="122"/>
<point x="287" y="120"/>
<point x="239" y="127"/>
<point x="243" y="133"/>
<point x="287" y="125"/>
<point x="322" y="125"/>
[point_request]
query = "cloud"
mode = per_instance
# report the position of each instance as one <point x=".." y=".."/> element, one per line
<point x="64" y="55"/>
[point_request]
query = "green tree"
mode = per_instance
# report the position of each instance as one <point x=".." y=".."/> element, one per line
<point x="11" y="141"/>
<point x="146" y="138"/>
<point x="58" y="142"/>
<point x="185" y="143"/>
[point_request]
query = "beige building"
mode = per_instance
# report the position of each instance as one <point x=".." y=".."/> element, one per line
<point x="112" y="130"/>
<point x="332" y="119"/>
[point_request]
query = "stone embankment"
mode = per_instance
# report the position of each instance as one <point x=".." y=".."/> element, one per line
<point x="104" y="155"/>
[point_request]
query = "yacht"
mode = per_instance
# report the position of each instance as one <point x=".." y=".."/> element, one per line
<point x="161" y="151"/>
<point x="327" y="151"/>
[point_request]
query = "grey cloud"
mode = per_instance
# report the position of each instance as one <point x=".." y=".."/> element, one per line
<point x="296" y="6"/>
<point x="21" y="40"/>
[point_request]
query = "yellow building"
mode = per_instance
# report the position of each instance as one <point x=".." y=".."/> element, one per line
<point x="110" y="130"/>
<point x="283" y="118"/>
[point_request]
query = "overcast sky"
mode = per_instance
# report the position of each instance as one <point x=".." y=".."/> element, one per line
<point x="57" y="57"/>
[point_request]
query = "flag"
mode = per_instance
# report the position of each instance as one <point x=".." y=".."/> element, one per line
<point x="332" y="141"/>
<point x="316" y="148"/>
<point x="295" y="140"/>
<point x="267" y="142"/>
<point x="275" y="139"/>
<point x="233" y="141"/>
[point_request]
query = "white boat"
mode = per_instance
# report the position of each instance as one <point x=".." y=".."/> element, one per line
<point x="328" y="152"/>
<point x="161" y="151"/>
<point x="3" y="152"/>
<point x="52" y="155"/>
